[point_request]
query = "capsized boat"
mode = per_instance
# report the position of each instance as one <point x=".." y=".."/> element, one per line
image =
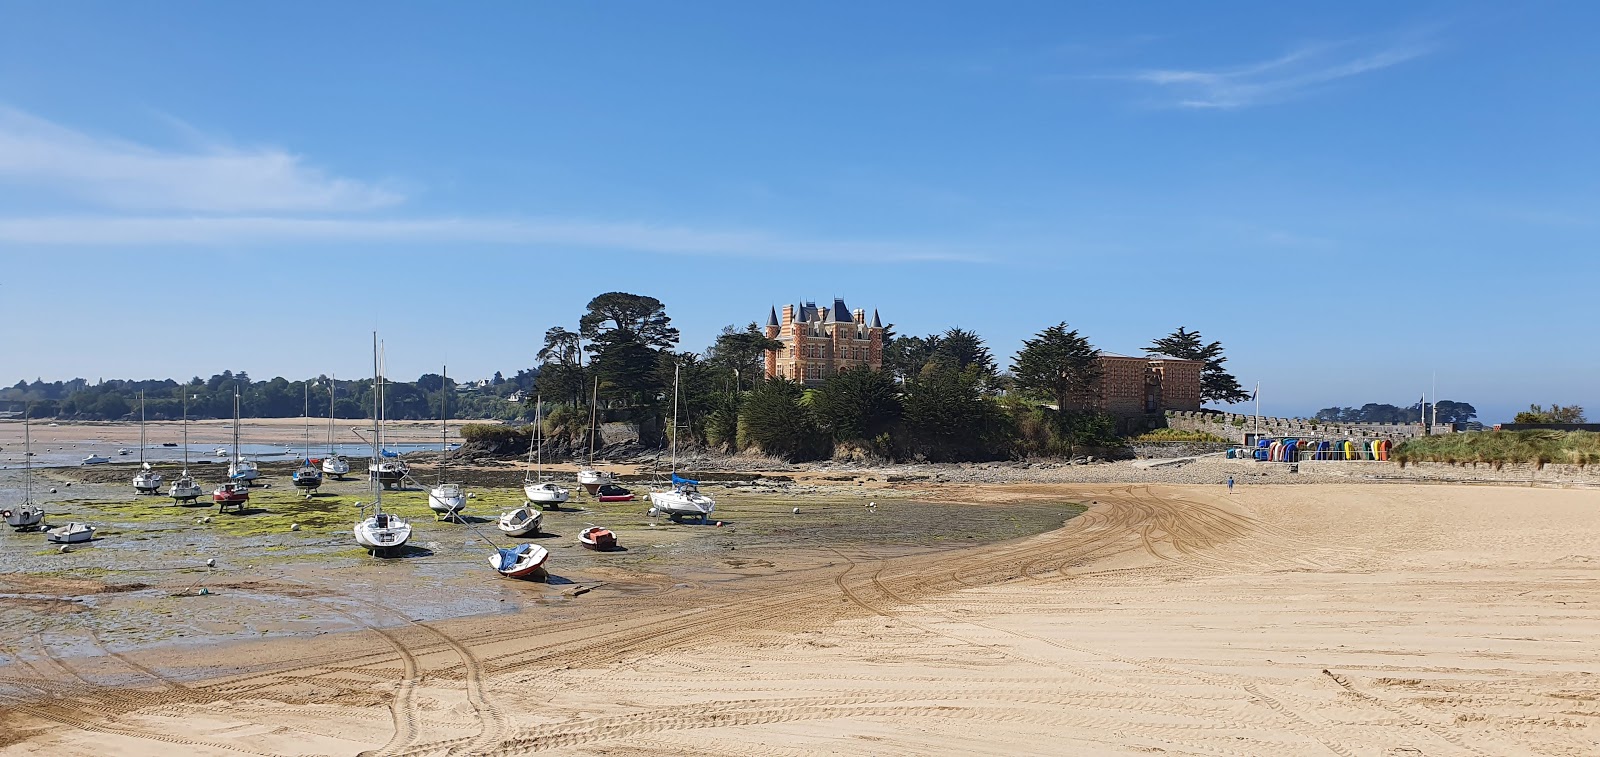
<point x="71" y="533"/>
<point x="522" y="521"/>
<point x="613" y="493"/>
<point x="520" y="561"/>
<point x="597" y="538"/>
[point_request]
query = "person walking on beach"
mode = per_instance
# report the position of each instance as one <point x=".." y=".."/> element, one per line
<point x="1230" y="484"/>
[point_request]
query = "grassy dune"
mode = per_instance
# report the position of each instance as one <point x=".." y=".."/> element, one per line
<point x="1500" y="447"/>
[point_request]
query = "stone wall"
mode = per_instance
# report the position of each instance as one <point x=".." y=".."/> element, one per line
<point x="1465" y="473"/>
<point x="1235" y="426"/>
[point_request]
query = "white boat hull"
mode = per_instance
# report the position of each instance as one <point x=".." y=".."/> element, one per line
<point x="678" y="504"/>
<point x="336" y="467"/>
<point x="147" y="483"/>
<point x="72" y="533"/>
<point x="545" y="494"/>
<point x="525" y="560"/>
<point x="521" y="522"/>
<point x="393" y="533"/>
<point x="96" y="460"/>
<point x="185" y="489"/>
<point x="447" y="499"/>
<point x="243" y="470"/>
<point x="24" y="518"/>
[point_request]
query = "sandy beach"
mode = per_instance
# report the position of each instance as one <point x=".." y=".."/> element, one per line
<point x="1359" y="619"/>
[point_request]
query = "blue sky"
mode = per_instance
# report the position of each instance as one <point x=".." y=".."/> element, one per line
<point x="1353" y="197"/>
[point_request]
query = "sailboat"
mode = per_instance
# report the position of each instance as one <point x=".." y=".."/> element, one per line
<point x="240" y="469"/>
<point x="28" y="516"/>
<point x="146" y="481"/>
<point x="540" y="492"/>
<point x="185" y="489"/>
<point x="445" y="499"/>
<point x="334" y="464"/>
<point x="590" y="478"/>
<point x="389" y="472"/>
<point x="308" y="477"/>
<point x="379" y="532"/>
<point x="683" y="499"/>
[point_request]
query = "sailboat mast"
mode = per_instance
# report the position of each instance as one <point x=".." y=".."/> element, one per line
<point x="27" y="457"/>
<point x="186" y="431"/>
<point x="538" y="436"/>
<point x="308" y="422"/>
<point x="236" y="456"/>
<point x="675" y="418"/>
<point x="444" y="421"/>
<point x="141" y="428"/>
<point x="594" y="410"/>
<point x="332" y="381"/>
<point x="377" y="424"/>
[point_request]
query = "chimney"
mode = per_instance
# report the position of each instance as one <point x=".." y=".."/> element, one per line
<point x="788" y="314"/>
<point x="859" y="316"/>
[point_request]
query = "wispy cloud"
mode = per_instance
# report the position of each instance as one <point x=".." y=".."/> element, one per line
<point x="111" y="231"/>
<point x="1289" y="75"/>
<point x="212" y="178"/>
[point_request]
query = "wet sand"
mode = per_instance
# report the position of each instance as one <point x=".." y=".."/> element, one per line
<point x="1351" y="619"/>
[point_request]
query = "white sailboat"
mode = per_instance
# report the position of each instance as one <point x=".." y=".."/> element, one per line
<point x="72" y="533"/>
<point x="379" y="532"/>
<point x="539" y="491"/>
<point x="386" y="468"/>
<point x="26" y="516"/>
<point x="146" y="481"/>
<point x="185" y="489"/>
<point x="307" y="477"/>
<point x="445" y="499"/>
<point x="682" y="499"/>
<point x="589" y="478"/>
<point x="334" y="464"/>
<point x="240" y="469"/>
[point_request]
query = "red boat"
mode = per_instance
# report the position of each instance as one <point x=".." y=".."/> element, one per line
<point x="597" y="538"/>
<point x="613" y="493"/>
<point x="521" y="561"/>
<point x="232" y="494"/>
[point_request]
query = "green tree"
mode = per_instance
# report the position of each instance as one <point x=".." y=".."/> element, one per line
<point x="1058" y="365"/>
<point x="618" y="317"/>
<point x="561" y="347"/>
<point x="960" y="349"/>
<point x="742" y="351"/>
<point x="1556" y="414"/>
<point x="906" y="356"/>
<point x="948" y="417"/>
<point x="1216" y="384"/>
<point x="857" y="405"/>
<point x="773" y="420"/>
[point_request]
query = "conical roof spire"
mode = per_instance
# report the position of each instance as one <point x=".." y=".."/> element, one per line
<point x="772" y="319"/>
<point x="877" y="324"/>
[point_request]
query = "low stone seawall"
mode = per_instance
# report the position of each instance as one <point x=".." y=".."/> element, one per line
<point x="1514" y="473"/>
<point x="1234" y="426"/>
<point x="1161" y="450"/>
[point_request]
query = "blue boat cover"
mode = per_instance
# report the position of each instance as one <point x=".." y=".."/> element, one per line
<point x="678" y="480"/>
<point x="508" y="557"/>
<point x="387" y="453"/>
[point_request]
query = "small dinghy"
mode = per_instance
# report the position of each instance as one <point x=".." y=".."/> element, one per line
<point x="233" y="494"/>
<point x="613" y="493"/>
<point x="520" y="561"/>
<point x="24" y="518"/>
<point x="72" y="533"/>
<point x="96" y="460"/>
<point x="522" y="521"/>
<point x="597" y="538"/>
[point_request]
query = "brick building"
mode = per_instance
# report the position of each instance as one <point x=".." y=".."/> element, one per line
<point x="1134" y="386"/>
<point x="821" y="341"/>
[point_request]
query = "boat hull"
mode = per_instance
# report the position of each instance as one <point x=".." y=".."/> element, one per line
<point x="681" y="505"/>
<point x="72" y="533"/>
<point x="545" y="495"/>
<point x="336" y="467"/>
<point x="25" y="518"/>
<point x="592" y="480"/>
<point x="147" y="484"/>
<point x="522" y="521"/>
<point x="598" y="539"/>
<point x="382" y="538"/>
<point x="526" y="561"/>
<point x="185" y="492"/>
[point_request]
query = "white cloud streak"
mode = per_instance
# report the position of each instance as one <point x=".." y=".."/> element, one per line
<point x="117" y="231"/>
<point x="1278" y="79"/>
<point x="119" y="174"/>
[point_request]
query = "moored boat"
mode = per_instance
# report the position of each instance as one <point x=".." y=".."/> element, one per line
<point x="233" y="494"/>
<point x="589" y="478"/>
<point x="308" y="477"/>
<point x="379" y="532"/>
<point x="682" y="498"/>
<point x="522" y="521"/>
<point x="27" y="516"/>
<point x="185" y="490"/>
<point x="538" y="491"/>
<point x="96" y="460"/>
<point x="613" y="493"/>
<point x="521" y="561"/>
<point x="240" y="469"/>
<point x="597" y="538"/>
<point x="71" y="533"/>
<point x="445" y="499"/>
<point x="334" y="464"/>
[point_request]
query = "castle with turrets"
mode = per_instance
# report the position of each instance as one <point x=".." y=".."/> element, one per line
<point x="821" y="341"/>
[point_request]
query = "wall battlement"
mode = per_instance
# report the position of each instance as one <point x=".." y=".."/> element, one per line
<point x="1235" y="426"/>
